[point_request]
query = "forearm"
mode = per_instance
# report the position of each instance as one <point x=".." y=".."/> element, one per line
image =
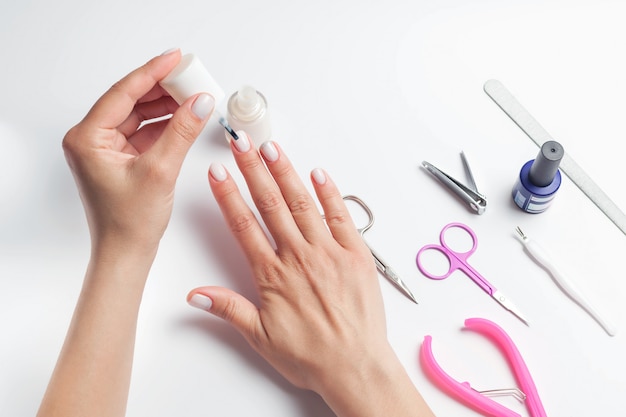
<point x="92" y="375"/>
<point x="381" y="388"/>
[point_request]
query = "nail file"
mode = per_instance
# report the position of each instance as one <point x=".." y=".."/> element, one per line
<point x="509" y="104"/>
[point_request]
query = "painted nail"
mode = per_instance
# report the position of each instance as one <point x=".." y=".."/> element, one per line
<point x="200" y="301"/>
<point x="169" y="51"/>
<point x="269" y="151"/>
<point x="243" y="143"/>
<point x="203" y="105"/>
<point x="319" y="176"/>
<point x="218" y="172"/>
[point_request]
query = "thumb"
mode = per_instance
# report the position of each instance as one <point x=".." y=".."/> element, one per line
<point x="183" y="128"/>
<point x="229" y="306"/>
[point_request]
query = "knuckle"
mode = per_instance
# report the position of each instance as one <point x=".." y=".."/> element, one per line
<point x="305" y="261"/>
<point x="117" y="87"/>
<point x="241" y="223"/>
<point x="250" y="164"/>
<point x="119" y="84"/>
<point x="183" y="129"/>
<point x="230" y="309"/>
<point x="282" y="170"/>
<point x="271" y="277"/>
<point x="73" y="147"/>
<point x="336" y="218"/>
<point x="70" y="140"/>
<point x="269" y="202"/>
<point x="300" y="204"/>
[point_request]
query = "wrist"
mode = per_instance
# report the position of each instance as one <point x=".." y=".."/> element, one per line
<point x="119" y="261"/>
<point x="378" y="386"/>
<point x="112" y="245"/>
<point x="356" y="389"/>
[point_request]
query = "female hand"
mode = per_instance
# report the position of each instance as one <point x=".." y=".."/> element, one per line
<point x="126" y="172"/>
<point x="126" y="176"/>
<point x="321" y="320"/>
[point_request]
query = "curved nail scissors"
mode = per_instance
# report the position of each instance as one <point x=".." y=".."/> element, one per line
<point x="458" y="261"/>
<point x="382" y="266"/>
<point x="475" y="399"/>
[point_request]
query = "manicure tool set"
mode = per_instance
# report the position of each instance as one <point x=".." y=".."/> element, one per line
<point x="533" y="192"/>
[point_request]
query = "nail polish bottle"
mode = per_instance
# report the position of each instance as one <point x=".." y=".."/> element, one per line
<point x="248" y="111"/>
<point x="539" y="179"/>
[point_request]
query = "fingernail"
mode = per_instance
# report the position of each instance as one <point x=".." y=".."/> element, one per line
<point x="169" y="51"/>
<point x="218" y="172"/>
<point x="200" y="301"/>
<point x="269" y="151"/>
<point x="319" y="176"/>
<point x="242" y="144"/>
<point x="203" y="105"/>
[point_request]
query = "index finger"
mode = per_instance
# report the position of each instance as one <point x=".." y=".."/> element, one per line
<point x="113" y="108"/>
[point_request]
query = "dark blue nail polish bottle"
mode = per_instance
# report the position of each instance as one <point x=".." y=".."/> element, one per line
<point x="539" y="179"/>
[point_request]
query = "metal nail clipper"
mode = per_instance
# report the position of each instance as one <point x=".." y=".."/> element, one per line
<point x="468" y="193"/>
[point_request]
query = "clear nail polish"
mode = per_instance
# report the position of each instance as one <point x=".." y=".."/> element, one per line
<point x="201" y="301"/>
<point x="169" y="51"/>
<point x="269" y="151"/>
<point x="218" y="172"/>
<point x="319" y="176"/>
<point x="203" y="106"/>
<point x="243" y="143"/>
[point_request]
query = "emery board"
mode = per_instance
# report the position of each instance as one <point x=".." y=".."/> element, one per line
<point x="509" y="104"/>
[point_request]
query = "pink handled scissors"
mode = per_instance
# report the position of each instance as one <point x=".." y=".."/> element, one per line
<point x="478" y="400"/>
<point x="458" y="261"/>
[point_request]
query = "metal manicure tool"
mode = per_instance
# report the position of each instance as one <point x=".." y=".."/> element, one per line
<point x="381" y="265"/>
<point x="469" y="194"/>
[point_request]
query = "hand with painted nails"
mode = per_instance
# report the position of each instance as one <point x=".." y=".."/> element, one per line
<point x="125" y="171"/>
<point x="321" y="320"/>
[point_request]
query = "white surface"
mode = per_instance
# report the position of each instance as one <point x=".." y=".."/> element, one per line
<point x="367" y="90"/>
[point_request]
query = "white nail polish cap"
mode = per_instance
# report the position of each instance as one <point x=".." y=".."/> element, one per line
<point x="190" y="77"/>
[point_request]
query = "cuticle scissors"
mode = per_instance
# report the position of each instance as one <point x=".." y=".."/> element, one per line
<point x="458" y="261"/>
<point x="478" y="399"/>
<point x="381" y="265"/>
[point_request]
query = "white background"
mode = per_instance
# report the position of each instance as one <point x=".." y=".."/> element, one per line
<point x="367" y="90"/>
